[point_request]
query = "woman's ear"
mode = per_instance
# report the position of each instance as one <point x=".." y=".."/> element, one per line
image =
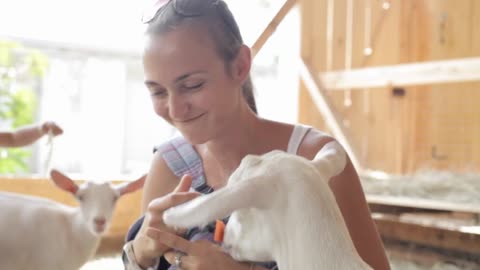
<point x="242" y="64"/>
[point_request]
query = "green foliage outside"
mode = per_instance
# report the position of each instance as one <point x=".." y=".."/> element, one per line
<point x="20" y="68"/>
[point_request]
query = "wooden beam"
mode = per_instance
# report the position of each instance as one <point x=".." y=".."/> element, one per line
<point x="418" y="203"/>
<point x="332" y="118"/>
<point x="392" y="227"/>
<point x="330" y="30"/>
<point x="272" y="26"/>
<point x="426" y="73"/>
<point x="429" y="257"/>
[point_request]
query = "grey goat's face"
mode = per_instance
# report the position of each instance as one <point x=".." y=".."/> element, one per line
<point x="97" y="202"/>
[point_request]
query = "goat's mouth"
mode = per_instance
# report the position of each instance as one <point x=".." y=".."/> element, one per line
<point x="99" y="228"/>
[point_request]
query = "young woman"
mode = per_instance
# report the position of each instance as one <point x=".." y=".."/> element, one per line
<point x="197" y="74"/>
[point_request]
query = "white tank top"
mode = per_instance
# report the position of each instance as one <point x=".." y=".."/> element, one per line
<point x="298" y="133"/>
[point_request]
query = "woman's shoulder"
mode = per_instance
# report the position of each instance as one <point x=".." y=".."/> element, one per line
<point x="313" y="141"/>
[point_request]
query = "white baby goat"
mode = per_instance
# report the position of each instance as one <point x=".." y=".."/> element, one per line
<point x="282" y="210"/>
<point x="40" y="234"/>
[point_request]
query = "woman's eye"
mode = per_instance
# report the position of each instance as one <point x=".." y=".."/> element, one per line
<point x="193" y="86"/>
<point x="158" y="93"/>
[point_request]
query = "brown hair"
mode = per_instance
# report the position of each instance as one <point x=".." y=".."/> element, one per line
<point x="219" y="21"/>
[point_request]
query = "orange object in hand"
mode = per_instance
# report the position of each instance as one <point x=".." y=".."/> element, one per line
<point x="219" y="231"/>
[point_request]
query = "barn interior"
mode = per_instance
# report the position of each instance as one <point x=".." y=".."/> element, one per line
<point x="394" y="81"/>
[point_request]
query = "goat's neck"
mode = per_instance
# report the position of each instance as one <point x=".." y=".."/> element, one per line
<point x="319" y="240"/>
<point x="85" y="243"/>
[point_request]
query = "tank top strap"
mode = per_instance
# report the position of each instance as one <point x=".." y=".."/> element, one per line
<point x="298" y="133"/>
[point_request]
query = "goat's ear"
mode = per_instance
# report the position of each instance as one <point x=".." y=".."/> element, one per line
<point x="200" y="211"/>
<point x="62" y="181"/>
<point x="131" y="186"/>
<point x="331" y="159"/>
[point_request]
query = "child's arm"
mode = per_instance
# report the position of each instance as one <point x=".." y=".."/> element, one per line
<point x="28" y="135"/>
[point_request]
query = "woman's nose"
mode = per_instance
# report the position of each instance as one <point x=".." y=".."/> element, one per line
<point x="177" y="107"/>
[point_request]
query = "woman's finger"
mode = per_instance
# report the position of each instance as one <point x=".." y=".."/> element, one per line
<point x="163" y="203"/>
<point x="184" y="184"/>
<point x="172" y="240"/>
<point x="185" y="261"/>
<point x="149" y="247"/>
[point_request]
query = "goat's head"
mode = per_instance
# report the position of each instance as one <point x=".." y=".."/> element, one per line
<point x="97" y="200"/>
<point x="259" y="196"/>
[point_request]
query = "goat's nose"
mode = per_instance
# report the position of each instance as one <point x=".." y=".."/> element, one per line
<point x="100" y="221"/>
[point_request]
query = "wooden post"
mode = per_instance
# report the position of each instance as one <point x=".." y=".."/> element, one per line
<point x="330" y="115"/>
<point x="272" y="26"/>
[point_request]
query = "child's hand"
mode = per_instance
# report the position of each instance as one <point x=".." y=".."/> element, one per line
<point x="48" y="126"/>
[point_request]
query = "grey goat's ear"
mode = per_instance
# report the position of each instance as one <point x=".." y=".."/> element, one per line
<point x="131" y="186"/>
<point x="64" y="182"/>
<point x="331" y="159"/>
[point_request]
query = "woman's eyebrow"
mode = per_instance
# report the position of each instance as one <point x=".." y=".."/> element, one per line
<point x="185" y="76"/>
<point x="151" y="83"/>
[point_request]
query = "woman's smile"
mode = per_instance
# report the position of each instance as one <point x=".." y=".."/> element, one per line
<point x="189" y="120"/>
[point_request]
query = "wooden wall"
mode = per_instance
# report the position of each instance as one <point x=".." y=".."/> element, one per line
<point x="436" y="126"/>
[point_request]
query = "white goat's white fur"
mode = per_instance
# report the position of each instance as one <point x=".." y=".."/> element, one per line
<point x="282" y="210"/>
<point x="41" y="234"/>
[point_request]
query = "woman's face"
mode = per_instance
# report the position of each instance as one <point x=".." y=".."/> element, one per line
<point x="189" y="84"/>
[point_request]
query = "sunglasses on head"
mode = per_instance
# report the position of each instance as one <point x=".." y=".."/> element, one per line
<point x="186" y="8"/>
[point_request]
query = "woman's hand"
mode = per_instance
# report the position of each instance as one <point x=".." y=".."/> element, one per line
<point x="147" y="249"/>
<point x="198" y="255"/>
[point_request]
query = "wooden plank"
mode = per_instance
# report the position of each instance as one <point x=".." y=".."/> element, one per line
<point x="418" y="203"/>
<point x="272" y="26"/>
<point x="445" y="131"/>
<point x="313" y="49"/>
<point x="329" y="113"/>
<point x="390" y="226"/>
<point x="382" y="120"/>
<point x="451" y="29"/>
<point x="428" y="257"/>
<point x="329" y="34"/>
<point x="434" y="72"/>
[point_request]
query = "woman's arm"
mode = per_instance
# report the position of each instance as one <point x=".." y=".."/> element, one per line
<point x="353" y="205"/>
